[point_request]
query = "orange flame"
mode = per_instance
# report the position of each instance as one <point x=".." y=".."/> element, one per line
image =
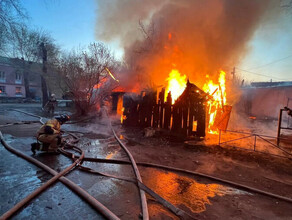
<point x="176" y="84"/>
<point x="120" y="109"/>
<point x="214" y="105"/>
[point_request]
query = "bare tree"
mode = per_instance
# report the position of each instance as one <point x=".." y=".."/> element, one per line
<point x="11" y="16"/>
<point x="30" y="45"/>
<point x="86" y="77"/>
<point x="26" y="43"/>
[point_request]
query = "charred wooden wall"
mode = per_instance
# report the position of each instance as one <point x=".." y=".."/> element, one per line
<point x="187" y="117"/>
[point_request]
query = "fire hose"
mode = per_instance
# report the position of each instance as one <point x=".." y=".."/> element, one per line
<point x="33" y="115"/>
<point x="244" y="187"/>
<point x="23" y="202"/>
<point x="78" y="190"/>
<point x="182" y="214"/>
<point x="138" y="176"/>
<point x="174" y="209"/>
<point x="59" y="176"/>
<point x="174" y="169"/>
<point x="142" y="193"/>
<point x="19" y="123"/>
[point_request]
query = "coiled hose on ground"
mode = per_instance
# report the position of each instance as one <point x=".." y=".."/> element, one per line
<point x="78" y="190"/>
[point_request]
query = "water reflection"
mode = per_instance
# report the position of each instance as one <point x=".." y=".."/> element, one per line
<point x="180" y="190"/>
<point x="111" y="154"/>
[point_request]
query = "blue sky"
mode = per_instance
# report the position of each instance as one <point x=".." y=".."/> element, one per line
<point x="270" y="52"/>
<point x="73" y="22"/>
<point x="70" y="22"/>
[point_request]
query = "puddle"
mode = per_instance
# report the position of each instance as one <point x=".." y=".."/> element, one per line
<point x="95" y="142"/>
<point x="181" y="190"/>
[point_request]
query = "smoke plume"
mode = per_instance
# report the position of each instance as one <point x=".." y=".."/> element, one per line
<point x="196" y="37"/>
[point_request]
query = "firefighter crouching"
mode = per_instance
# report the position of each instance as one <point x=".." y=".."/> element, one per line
<point x="49" y="135"/>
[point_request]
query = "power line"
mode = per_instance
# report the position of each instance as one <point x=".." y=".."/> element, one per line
<point x="275" y="61"/>
<point x="262" y="74"/>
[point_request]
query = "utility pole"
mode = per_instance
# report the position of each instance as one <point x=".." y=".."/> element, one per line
<point x="43" y="81"/>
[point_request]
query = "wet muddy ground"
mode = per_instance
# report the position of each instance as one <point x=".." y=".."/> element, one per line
<point x="203" y="198"/>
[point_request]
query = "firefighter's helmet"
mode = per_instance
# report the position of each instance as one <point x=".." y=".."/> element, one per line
<point x="63" y="118"/>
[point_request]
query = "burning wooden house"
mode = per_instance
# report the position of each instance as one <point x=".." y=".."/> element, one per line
<point x="189" y="112"/>
<point x="183" y="108"/>
<point x="187" y="116"/>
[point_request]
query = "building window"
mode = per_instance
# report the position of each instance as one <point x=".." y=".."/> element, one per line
<point x="18" y="91"/>
<point x="2" y="76"/>
<point x="2" y="91"/>
<point x="18" y="78"/>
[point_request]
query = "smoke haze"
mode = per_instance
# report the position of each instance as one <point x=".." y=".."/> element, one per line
<point x="196" y="37"/>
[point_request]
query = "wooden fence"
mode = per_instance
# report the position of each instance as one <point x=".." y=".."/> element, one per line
<point x="187" y="117"/>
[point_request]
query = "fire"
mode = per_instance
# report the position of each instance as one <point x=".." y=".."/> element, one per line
<point x="176" y="84"/>
<point x="120" y="109"/>
<point x="215" y="105"/>
<point x="123" y="117"/>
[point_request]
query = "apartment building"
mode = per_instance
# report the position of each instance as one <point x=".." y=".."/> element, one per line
<point x="11" y="79"/>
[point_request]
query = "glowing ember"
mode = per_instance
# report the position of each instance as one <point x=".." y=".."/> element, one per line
<point x="176" y="84"/>
<point x="215" y="105"/>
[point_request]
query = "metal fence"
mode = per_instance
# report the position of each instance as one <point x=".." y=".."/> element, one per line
<point x="256" y="137"/>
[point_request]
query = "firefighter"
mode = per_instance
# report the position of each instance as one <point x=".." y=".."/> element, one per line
<point x="51" y="104"/>
<point x="49" y="135"/>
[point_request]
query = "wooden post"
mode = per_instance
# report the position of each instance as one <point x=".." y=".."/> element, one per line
<point x="191" y="119"/>
<point x="167" y="116"/>
<point x="185" y="120"/>
<point x="156" y="116"/>
<point x="179" y="119"/>
<point x="279" y="126"/>
<point x="201" y="118"/>
<point x="174" y="118"/>
<point x="161" y="106"/>
<point x="44" y="84"/>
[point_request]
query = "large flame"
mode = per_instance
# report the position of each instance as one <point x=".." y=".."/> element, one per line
<point x="176" y="84"/>
<point x="120" y="108"/>
<point x="214" y="105"/>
